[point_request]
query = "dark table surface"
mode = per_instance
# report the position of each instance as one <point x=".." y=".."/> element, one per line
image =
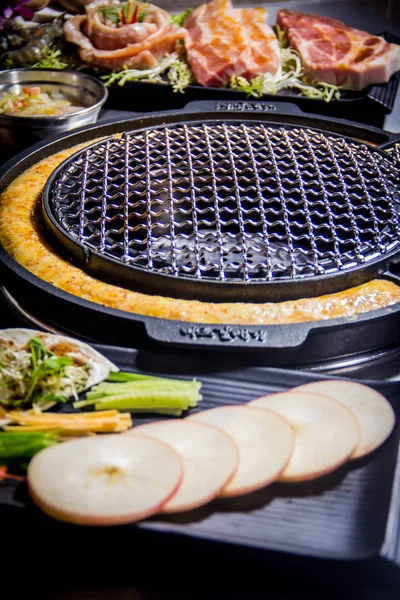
<point x="108" y="564"/>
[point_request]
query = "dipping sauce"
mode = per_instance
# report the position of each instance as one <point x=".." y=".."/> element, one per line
<point x="32" y="102"/>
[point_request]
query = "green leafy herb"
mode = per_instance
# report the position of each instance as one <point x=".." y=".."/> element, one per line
<point x="38" y="351"/>
<point x="49" y="366"/>
<point x="142" y="15"/>
<point x="111" y="13"/>
<point x="53" y="398"/>
<point x="126" y="13"/>
<point x="179" y="18"/>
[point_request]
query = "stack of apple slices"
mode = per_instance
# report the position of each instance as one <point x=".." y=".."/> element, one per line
<point x="178" y="465"/>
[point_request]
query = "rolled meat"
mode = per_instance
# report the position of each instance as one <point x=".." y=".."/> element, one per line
<point x="115" y="36"/>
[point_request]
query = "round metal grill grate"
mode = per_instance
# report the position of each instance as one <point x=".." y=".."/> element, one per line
<point x="233" y="202"/>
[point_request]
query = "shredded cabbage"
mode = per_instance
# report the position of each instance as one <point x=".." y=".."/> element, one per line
<point x="179" y="74"/>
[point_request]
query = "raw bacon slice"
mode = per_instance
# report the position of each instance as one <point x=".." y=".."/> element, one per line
<point x="224" y="41"/>
<point x="331" y="51"/>
<point x="139" y="45"/>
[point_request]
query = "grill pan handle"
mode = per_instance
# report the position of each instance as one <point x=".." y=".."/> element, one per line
<point x="394" y="138"/>
<point x="218" y="337"/>
<point x="260" y="106"/>
<point x="394" y="277"/>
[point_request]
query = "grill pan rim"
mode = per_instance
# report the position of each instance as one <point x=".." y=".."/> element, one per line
<point x="131" y="276"/>
<point x="27" y="158"/>
<point x="301" y="328"/>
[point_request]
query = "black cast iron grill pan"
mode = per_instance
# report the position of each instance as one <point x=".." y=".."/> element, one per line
<point x="300" y="343"/>
<point x="228" y="209"/>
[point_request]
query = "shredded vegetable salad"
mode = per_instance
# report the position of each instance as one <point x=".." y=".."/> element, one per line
<point x="32" y="102"/>
<point x="35" y="375"/>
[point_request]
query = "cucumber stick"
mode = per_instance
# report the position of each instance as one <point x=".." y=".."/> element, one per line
<point x="167" y="399"/>
<point x="121" y="377"/>
<point x="141" y="393"/>
<point x="133" y="386"/>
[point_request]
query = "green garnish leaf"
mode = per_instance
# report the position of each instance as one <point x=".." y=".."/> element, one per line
<point x="51" y="398"/>
<point x="179" y="18"/>
<point x="51" y="365"/>
<point x="142" y="15"/>
<point x="112" y="13"/>
<point x="38" y="351"/>
<point x="56" y="363"/>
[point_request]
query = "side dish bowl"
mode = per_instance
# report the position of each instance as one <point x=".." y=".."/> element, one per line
<point x="82" y="90"/>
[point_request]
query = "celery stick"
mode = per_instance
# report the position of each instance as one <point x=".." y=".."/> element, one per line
<point x="195" y="400"/>
<point x="165" y="399"/>
<point x="83" y="403"/>
<point x="120" y="376"/>
<point x="172" y="412"/>
<point x="168" y="384"/>
<point x="152" y="398"/>
<point x="138" y="391"/>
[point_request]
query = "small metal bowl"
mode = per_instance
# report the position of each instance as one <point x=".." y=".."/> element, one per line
<point x="80" y="89"/>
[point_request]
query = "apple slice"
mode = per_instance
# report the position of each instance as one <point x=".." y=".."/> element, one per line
<point x="265" y="442"/>
<point x="107" y="480"/>
<point x="371" y="409"/>
<point x="210" y="459"/>
<point x="326" y="432"/>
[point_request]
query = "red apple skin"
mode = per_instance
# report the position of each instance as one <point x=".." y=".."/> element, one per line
<point x="363" y="448"/>
<point x="99" y="521"/>
<point x="241" y="491"/>
<point x="317" y="473"/>
<point x="206" y="499"/>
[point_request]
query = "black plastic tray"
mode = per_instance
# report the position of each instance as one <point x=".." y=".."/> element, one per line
<point x="366" y="106"/>
<point x="351" y="514"/>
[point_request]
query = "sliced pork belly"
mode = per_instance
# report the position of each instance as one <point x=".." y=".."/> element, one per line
<point x="331" y="51"/>
<point x="139" y="45"/>
<point x="223" y="41"/>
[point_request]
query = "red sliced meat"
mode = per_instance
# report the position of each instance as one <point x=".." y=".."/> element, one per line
<point x="223" y="41"/>
<point x="331" y="51"/>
